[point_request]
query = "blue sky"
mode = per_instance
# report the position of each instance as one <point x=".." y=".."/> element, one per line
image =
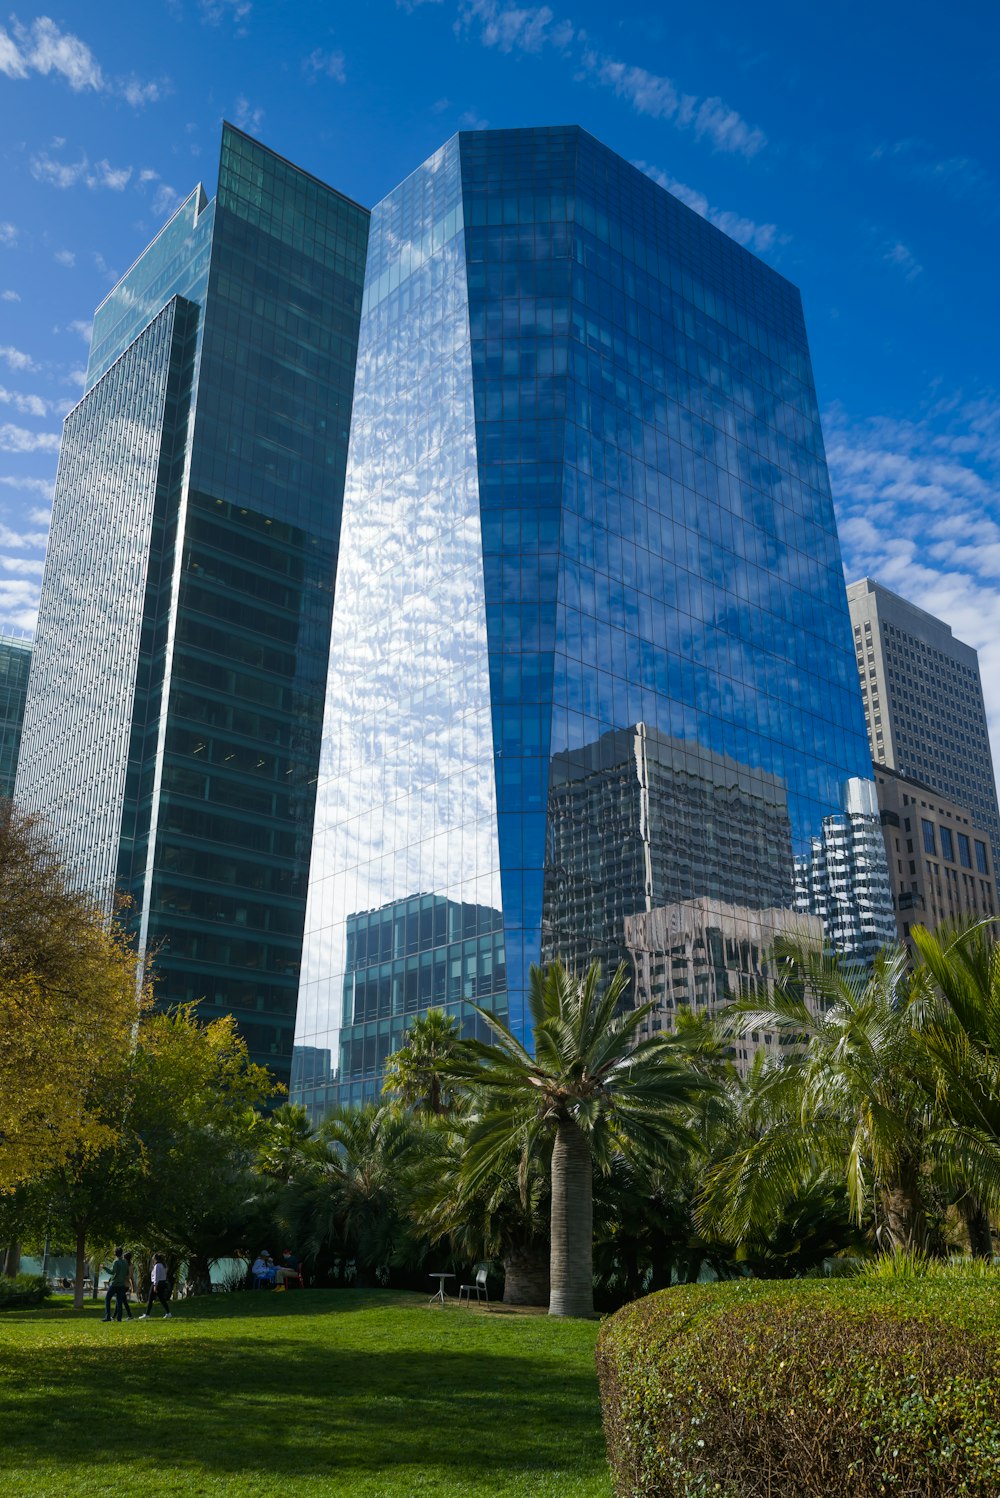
<point x="856" y="150"/>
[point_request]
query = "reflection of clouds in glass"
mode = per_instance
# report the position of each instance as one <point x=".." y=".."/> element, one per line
<point x="406" y="800"/>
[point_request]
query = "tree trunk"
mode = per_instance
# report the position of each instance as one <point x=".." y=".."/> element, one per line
<point x="905" y="1219"/>
<point x="81" y="1268"/>
<point x="12" y="1259"/>
<point x="200" y="1274"/>
<point x="526" y="1276"/>
<point x="571" y="1262"/>
<point x="977" y="1225"/>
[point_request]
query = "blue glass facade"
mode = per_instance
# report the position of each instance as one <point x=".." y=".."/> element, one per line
<point x="591" y="651"/>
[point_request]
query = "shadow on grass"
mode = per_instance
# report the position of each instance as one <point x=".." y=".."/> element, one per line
<point x="297" y="1406"/>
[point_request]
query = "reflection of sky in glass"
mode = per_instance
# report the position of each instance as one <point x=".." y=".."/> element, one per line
<point x="406" y="803"/>
<point x="638" y="532"/>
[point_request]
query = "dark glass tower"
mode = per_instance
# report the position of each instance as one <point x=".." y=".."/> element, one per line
<point x="591" y="653"/>
<point x="15" y="661"/>
<point x="173" y="720"/>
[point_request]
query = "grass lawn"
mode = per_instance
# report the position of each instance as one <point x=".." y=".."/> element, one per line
<point x="299" y="1395"/>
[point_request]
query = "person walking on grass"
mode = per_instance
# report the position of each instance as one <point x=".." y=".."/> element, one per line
<point x="158" y="1289"/>
<point x="118" y="1274"/>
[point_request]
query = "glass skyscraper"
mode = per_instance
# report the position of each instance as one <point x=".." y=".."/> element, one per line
<point x="171" y="735"/>
<point x="15" y="661"/>
<point x="591" y="654"/>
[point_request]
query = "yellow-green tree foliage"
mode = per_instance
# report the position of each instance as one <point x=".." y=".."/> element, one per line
<point x="70" y="997"/>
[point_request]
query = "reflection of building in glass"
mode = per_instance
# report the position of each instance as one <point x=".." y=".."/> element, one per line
<point x="704" y="954"/>
<point x="413" y="955"/>
<point x="940" y="861"/>
<point x="15" y="660"/>
<point x="586" y="491"/>
<point x="843" y="878"/>
<point x="172" y="729"/>
<point x="639" y="820"/>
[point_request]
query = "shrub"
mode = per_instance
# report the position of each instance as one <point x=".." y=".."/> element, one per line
<point x="806" y="1389"/>
<point x="23" y="1290"/>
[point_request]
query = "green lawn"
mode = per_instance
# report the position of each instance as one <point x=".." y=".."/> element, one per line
<point x="299" y="1395"/>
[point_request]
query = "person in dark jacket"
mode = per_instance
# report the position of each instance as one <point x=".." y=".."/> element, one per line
<point x="118" y="1275"/>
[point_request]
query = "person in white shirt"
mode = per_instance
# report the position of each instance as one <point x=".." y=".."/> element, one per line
<point x="158" y="1289"/>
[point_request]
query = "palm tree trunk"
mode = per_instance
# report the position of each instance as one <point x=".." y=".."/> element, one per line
<point x="977" y="1225"/>
<point x="905" y="1218"/>
<point x="571" y="1262"/>
<point x="526" y="1276"/>
<point x="12" y="1259"/>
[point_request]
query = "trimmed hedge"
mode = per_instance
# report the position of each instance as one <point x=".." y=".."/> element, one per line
<point x="23" y="1290"/>
<point x="806" y="1389"/>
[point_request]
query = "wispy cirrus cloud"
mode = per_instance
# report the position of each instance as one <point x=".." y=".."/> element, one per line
<point x="10" y="296"/>
<point x="746" y="231"/>
<point x="918" y="504"/>
<point x="533" y="29"/>
<point x="218" y="12"/>
<point x="963" y="178"/>
<point x="320" y="64"/>
<point x="66" y="258"/>
<point x="247" y="117"/>
<point x="897" y="253"/>
<point x="15" y="439"/>
<point x="9" y="235"/>
<point x="42" y="48"/>
<point x="65" y="174"/>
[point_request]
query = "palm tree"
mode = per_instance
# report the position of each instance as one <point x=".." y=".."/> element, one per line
<point x="416" y="1074"/>
<point x="961" y="1038"/>
<point x="590" y="1088"/>
<point x="350" y="1204"/>
<point x="288" y="1142"/>
<point x="848" y="1097"/>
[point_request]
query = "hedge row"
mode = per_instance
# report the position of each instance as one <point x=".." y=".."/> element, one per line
<point x="806" y="1389"/>
<point x="23" y="1290"/>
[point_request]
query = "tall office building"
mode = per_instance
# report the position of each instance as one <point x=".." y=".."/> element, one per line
<point x="924" y="702"/>
<point x="171" y="734"/>
<point x="15" y="662"/>
<point x="590" y="644"/>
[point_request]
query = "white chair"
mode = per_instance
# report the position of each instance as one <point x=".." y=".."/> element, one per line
<point x="479" y="1287"/>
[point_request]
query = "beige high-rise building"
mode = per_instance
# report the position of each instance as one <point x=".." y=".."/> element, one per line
<point x="924" y="703"/>
<point x="940" y="863"/>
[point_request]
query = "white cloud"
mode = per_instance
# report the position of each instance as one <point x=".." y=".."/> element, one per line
<point x="82" y="327"/>
<point x="214" y="12"/>
<point x="65" y="174"/>
<point x="246" y="117"/>
<point x="22" y="566"/>
<point x="514" y="28"/>
<point x="8" y="235"/>
<point x="42" y="48"/>
<point x="15" y="359"/>
<point x="19" y="603"/>
<point x="10" y="296"/>
<point x="31" y="486"/>
<point x="470" y="120"/>
<point x="325" y="64"/>
<point x="14" y="439"/>
<point x="745" y="231"/>
<point x="28" y="405"/>
<point x="65" y="257"/>
<point x="77" y="376"/>
<point x="918" y="504"/>
<point x="901" y="255"/>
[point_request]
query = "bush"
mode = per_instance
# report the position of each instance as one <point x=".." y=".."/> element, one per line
<point x="806" y="1389"/>
<point x="23" y="1290"/>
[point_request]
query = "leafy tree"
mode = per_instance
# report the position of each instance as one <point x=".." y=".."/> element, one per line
<point x="288" y="1143"/>
<point x="417" y="1075"/>
<point x="593" y="1092"/>
<point x="70" y="996"/>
